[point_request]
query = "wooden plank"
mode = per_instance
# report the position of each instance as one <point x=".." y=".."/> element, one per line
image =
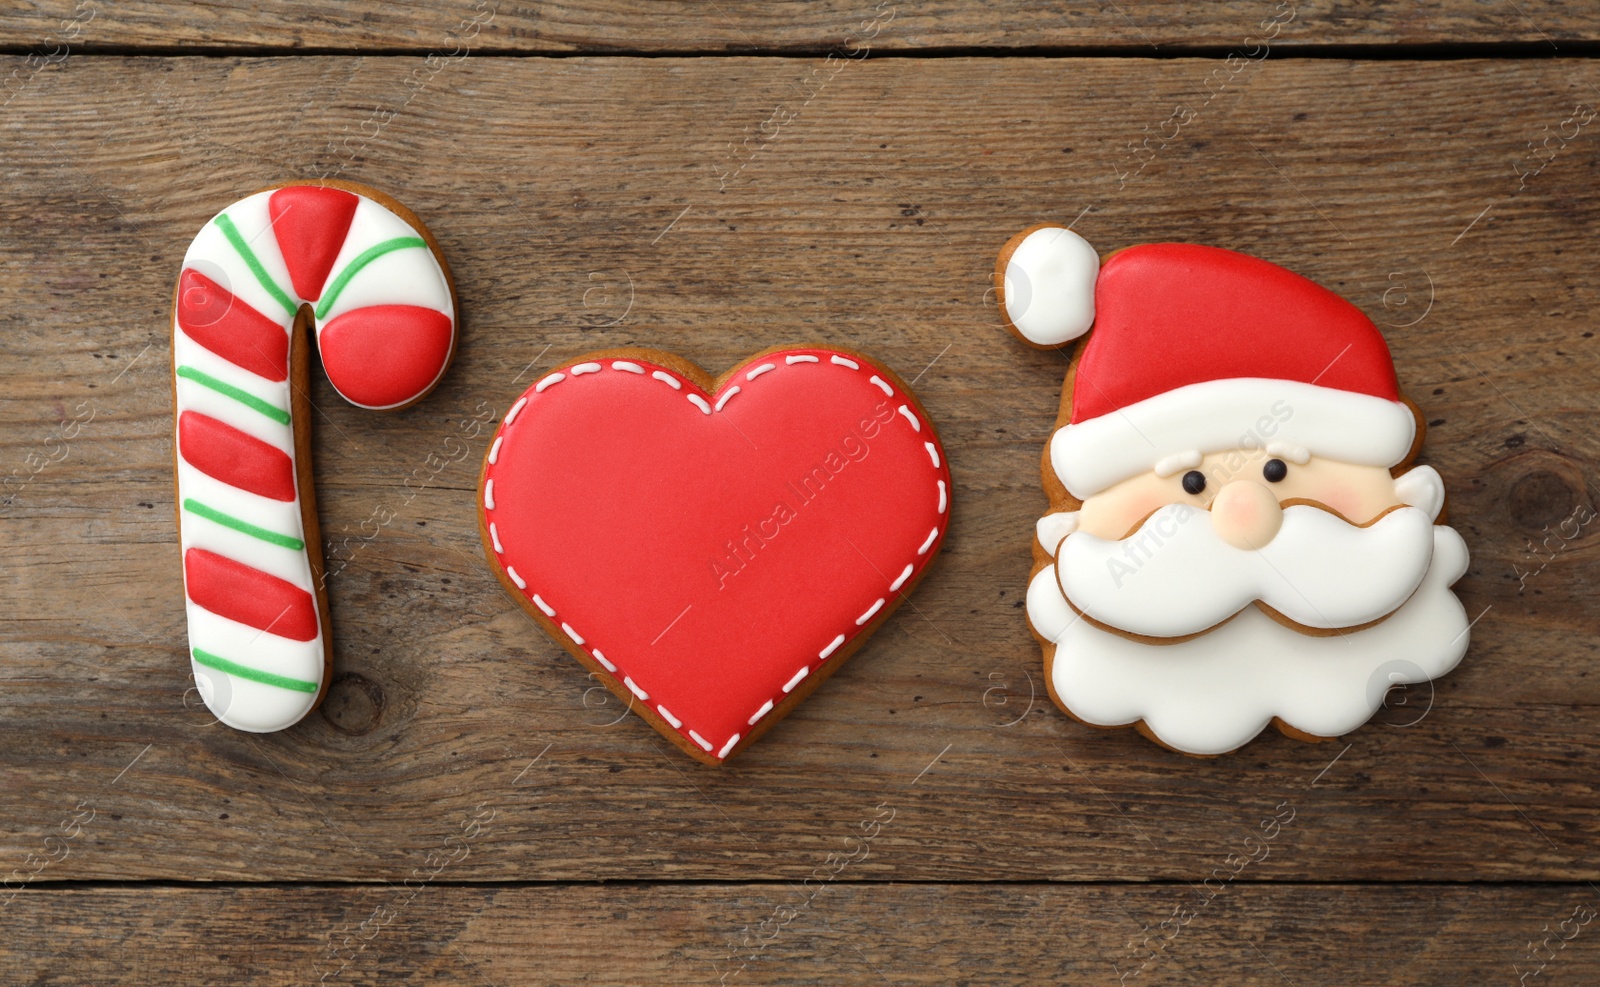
<point x="1247" y="934"/>
<point x="850" y="28"/>
<point x="599" y="219"/>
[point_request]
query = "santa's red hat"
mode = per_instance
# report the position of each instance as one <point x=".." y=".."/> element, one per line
<point x="1198" y="350"/>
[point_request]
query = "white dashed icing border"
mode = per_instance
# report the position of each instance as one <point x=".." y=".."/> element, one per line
<point x="628" y="366"/>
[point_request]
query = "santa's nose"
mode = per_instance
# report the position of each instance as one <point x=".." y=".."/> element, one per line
<point x="1246" y="515"/>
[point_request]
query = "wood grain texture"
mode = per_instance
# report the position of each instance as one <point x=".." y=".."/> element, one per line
<point x="847" y="26"/>
<point x="1250" y="935"/>
<point x="590" y="203"/>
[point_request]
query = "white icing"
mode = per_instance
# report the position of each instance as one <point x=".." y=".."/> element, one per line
<point x="915" y="425"/>
<point x="900" y="580"/>
<point x="728" y="746"/>
<point x="766" y="708"/>
<point x="406" y="276"/>
<point x="1049" y="286"/>
<point x="1051" y="528"/>
<point x="830" y="649"/>
<point x="841" y="361"/>
<point x="727" y="396"/>
<point x="1177" y="576"/>
<point x="195" y="396"/>
<point x="253" y="707"/>
<point x="1423" y="488"/>
<point x="1299" y="455"/>
<point x="757" y="372"/>
<point x="249" y="646"/>
<point x="211" y="252"/>
<point x="798" y="676"/>
<point x="1215" y="692"/>
<point x="632" y="368"/>
<point x="1219" y="415"/>
<point x="870" y="611"/>
<point x="239" y="702"/>
<point x="288" y="564"/>
<point x="280" y="516"/>
<point x="1178" y="461"/>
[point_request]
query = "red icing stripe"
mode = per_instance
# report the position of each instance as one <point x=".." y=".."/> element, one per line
<point x="211" y="316"/>
<point x="384" y="355"/>
<point x="236" y="458"/>
<point x="257" y="599"/>
<point x="310" y="223"/>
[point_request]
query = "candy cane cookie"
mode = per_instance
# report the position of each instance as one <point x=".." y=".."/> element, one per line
<point x="357" y="272"/>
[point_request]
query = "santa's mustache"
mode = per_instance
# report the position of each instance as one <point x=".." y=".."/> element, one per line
<point x="1175" y="577"/>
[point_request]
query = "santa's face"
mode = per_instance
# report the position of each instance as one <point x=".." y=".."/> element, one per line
<point x="1238" y="486"/>
<point x="1221" y="591"/>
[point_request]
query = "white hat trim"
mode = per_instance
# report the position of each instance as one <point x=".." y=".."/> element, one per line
<point x="1234" y="413"/>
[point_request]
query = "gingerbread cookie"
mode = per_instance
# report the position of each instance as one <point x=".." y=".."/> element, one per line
<point x="362" y="272"/>
<point x="1236" y="536"/>
<point x="714" y="549"/>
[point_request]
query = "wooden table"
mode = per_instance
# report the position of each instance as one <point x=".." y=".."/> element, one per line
<point x="599" y="175"/>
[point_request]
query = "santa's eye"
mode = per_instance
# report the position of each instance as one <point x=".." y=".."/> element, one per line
<point x="1194" y="481"/>
<point x="1275" y="470"/>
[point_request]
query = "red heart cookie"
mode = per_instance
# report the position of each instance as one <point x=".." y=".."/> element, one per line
<point x="714" y="549"/>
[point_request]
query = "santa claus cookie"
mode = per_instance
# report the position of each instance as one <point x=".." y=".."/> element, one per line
<point x="1236" y="535"/>
<point x="714" y="549"/>
<point x="362" y="272"/>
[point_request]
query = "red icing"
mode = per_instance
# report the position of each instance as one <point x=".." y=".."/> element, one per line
<point x="615" y="496"/>
<point x="1172" y="314"/>
<point x="384" y="355"/>
<point x="237" y="458"/>
<point x="257" y="599"/>
<point x="211" y="316"/>
<point x="310" y="223"/>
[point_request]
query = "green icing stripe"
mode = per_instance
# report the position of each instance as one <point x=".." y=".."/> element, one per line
<point x="212" y="514"/>
<point x="239" y="394"/>
<point x="367" y="256"/>
<point x="232" y="233"/>
<point x="253" y="674"/>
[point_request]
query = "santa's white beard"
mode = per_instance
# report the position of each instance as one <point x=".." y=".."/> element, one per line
<point x="1175" y="576"/>
<point x="1213" y="693"/>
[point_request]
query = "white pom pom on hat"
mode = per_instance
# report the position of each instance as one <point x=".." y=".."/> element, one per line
<point x="1047" y="285"/>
